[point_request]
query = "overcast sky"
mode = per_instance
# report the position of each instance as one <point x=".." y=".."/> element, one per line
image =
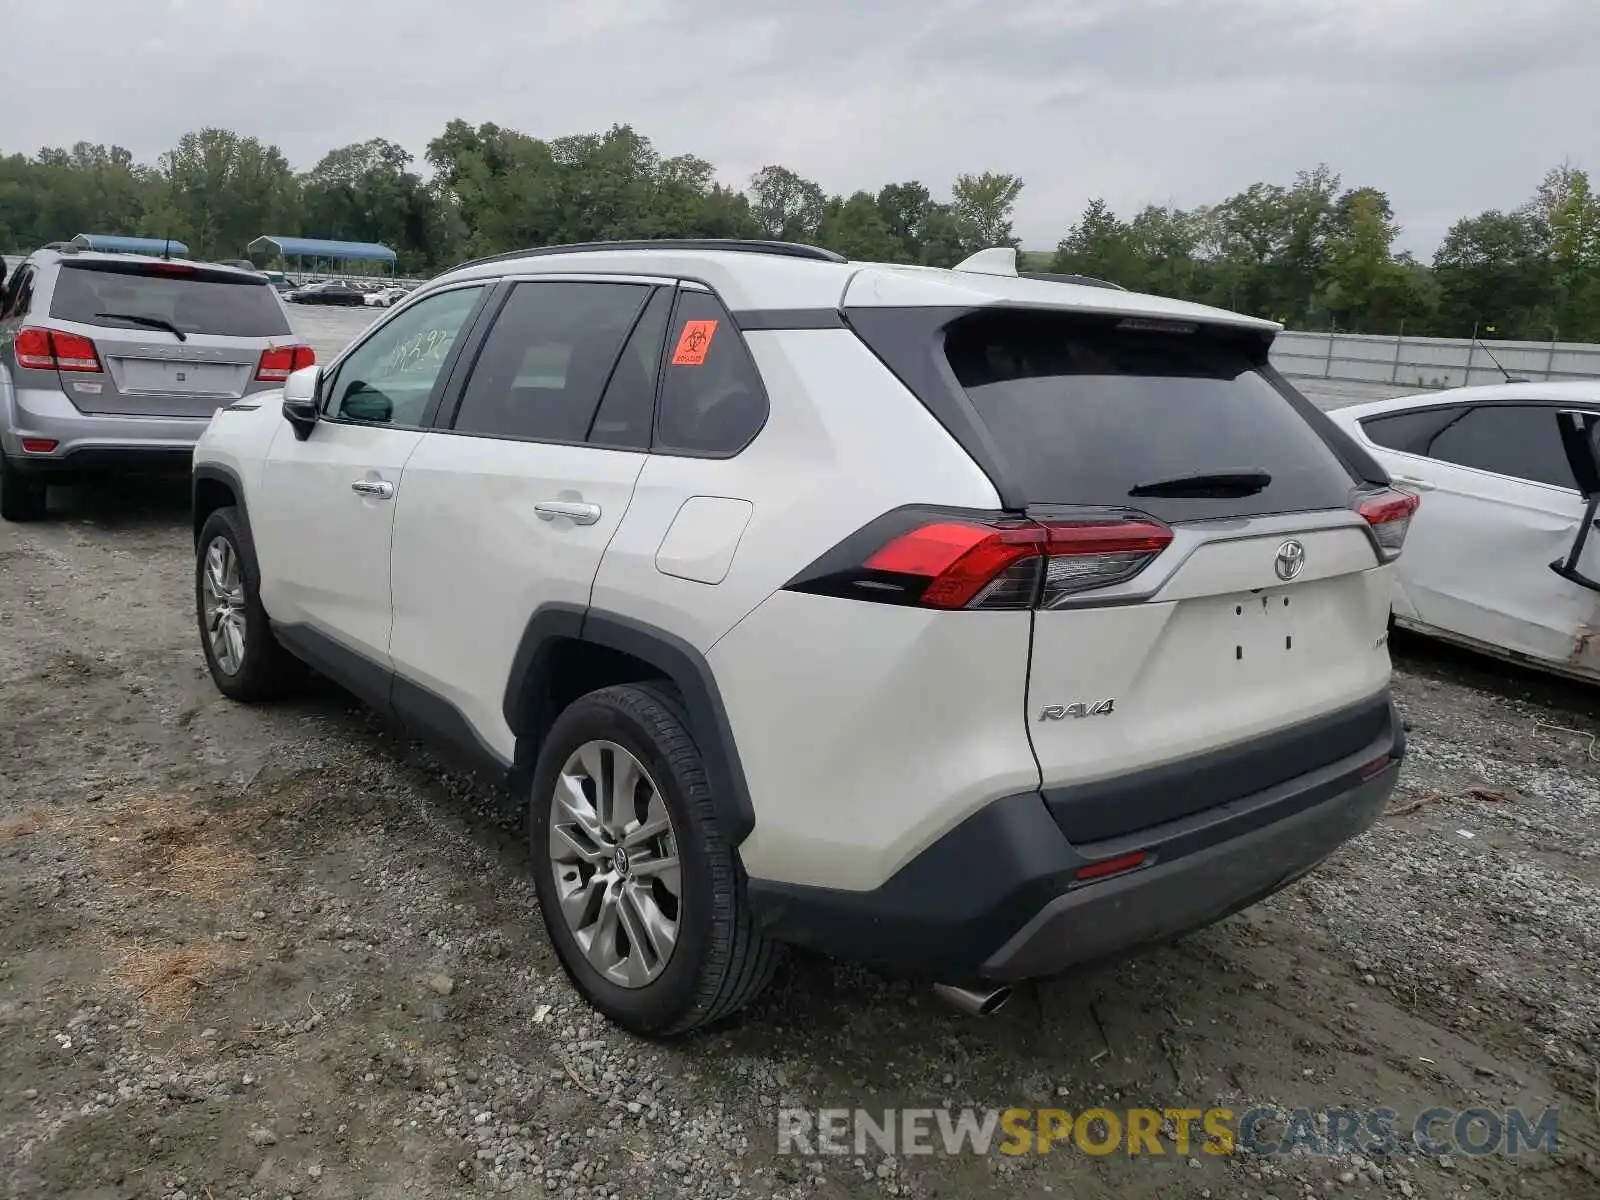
<point x="1451" y="106"/>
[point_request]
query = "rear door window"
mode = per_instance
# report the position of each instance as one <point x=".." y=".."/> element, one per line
<point x="1090" y="411"/>
<point x="546" y="361"/>
<point x="1522" y="441"/>
<point x="628" y="408"/>
<point x="166" y="295"/>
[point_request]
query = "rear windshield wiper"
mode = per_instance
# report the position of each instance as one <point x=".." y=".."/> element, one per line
<point x="1207" y="485"/>
<point x="147" y="322"/>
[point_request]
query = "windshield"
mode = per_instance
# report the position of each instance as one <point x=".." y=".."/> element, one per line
<point x="146" y="296"/>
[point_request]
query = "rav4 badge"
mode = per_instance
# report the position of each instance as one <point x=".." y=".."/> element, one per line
<point x="1084" y="708"/>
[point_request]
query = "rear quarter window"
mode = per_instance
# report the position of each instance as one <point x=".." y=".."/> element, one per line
<point x="129" y="295"/>
<point x="712" y="402"/>
<point x="1409" y="432"/>
<point x="1085" y="412"/>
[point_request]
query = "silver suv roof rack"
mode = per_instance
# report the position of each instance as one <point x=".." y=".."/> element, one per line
<point x="741" y="245"/>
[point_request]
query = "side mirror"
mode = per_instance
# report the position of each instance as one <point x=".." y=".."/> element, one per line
<point x="362" y="403"/>
<point x="302" y="399"/>
<point x="1580" y="438"/>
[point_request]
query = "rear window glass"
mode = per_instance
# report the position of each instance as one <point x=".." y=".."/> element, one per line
<point x="1086" y="413"/>
<point x="136" y="296"/>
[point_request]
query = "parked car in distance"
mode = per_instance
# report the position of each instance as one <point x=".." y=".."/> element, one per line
<point x="117" y="361"/>
<point x="384" y="297"/>
<point x="969" y="625"/>
<point x="328" y="291"/>
<point x="1502" y="503"/>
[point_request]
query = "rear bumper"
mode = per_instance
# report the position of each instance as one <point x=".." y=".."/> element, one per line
<point x="94" y="441"/>
<point x="1160" y="902"/>
<point x="998" y="897"/>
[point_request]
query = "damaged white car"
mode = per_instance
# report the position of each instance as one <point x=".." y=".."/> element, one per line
<point x="1501" y="555"/>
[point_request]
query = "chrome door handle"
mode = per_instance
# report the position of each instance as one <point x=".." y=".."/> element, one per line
<point x="1422" y="485"/>
<point x="578" y="512"/>
<point x="380" y="489"/>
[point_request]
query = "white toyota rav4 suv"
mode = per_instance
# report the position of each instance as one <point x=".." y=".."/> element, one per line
<point x="967" y="624"/>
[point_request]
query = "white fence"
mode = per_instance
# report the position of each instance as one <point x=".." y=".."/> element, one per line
<point x="1410" y="362"/>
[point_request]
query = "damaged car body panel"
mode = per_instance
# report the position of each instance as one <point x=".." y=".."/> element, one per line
<point x="1501" y="558"/>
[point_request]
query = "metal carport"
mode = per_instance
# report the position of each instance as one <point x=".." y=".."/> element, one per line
<point x="116" y="243"/>
<point x="320" y="250"/>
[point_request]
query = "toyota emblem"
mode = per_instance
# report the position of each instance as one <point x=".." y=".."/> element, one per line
<point x="1291" y="560"/>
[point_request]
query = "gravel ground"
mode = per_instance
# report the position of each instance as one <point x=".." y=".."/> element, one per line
<point x="278" y="951"/>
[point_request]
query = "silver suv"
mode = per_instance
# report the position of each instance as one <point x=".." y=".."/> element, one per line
<point x="117" y="361"/>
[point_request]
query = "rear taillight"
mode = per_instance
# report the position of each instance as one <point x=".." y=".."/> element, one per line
<point x="1388" y="513"/>
<point x="986" y="562"/>
<point x="280" y="362"/>
<point x="51" y="350"/>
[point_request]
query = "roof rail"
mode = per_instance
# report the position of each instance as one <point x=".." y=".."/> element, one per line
<point x="1081" y="280"/>
<point x="741" y="245"/>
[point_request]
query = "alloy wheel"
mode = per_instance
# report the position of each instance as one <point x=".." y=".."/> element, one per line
<point x="613" y="852"/>
<point x="222" y="589"/>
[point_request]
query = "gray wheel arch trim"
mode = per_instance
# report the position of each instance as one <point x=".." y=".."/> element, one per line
<point x="675" y="658"/>
<point x="215" y="473"/>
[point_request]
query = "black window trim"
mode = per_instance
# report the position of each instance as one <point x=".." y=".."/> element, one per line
<point x="449" y="406"/>
<point x="469" y="330"/>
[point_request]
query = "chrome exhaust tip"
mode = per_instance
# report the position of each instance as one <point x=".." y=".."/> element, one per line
<point x="975" y="1002"/>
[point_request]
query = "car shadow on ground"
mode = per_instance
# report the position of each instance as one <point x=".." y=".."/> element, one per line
<point x="121" y="502"/>
<point x="1444" y="662"/>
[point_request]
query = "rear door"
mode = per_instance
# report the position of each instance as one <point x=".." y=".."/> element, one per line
<point x="509" y="503"/>
<point x="1500" y="504"/>
<point x="173" y="339"/>
<point x="1266" y="609"/>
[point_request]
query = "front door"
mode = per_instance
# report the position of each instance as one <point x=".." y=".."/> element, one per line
<point x="323" y="532"/>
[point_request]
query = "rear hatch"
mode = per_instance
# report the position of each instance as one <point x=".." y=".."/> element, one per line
<point x="1208" y="580"/>
<point x="171" y="339"/>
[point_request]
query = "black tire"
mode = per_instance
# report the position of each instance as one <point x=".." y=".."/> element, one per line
<point x="21" y="495"/>
<point x="721" y="960"/>
<point x="268" y="670"/>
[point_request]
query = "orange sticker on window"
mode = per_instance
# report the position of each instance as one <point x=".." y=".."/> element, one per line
<point x="693" y="343"/>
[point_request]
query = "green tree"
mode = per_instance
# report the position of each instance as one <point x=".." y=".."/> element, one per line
<point x="367" y="193"/>
<point x="1361" y="285"/>
<point x="786" y="206"/>
<point x="217" y="191"/>
<point x="905" y="209"/>
<point x="1569" y="211"/>
<point x="1100" y="246"/>
<point x="855" y="228"/>
<point x="982" y="206"/>
<point x="1493" y="270"/>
